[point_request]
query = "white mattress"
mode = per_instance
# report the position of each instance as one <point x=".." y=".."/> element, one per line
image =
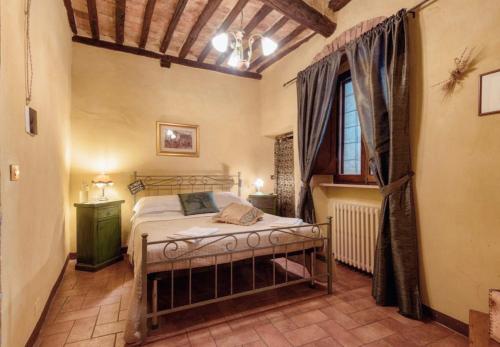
<point x="163" y="226"/>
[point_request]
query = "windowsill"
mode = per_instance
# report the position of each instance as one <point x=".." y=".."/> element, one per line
<point x="340" y="185"/>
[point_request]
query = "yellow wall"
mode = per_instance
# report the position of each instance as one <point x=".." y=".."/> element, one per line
<point x="454" y="151"/>
<point x="117" y="99"/>
<point x="34" y="245"/>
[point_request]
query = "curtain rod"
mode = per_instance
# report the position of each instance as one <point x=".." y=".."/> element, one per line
<point x="411" y="10"/>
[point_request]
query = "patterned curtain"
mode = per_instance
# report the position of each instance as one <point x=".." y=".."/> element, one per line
<point x="285" y="184"/>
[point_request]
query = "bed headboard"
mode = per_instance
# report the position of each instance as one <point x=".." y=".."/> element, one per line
<point x="177" y="184"/>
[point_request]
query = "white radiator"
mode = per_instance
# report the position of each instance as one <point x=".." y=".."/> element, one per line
<point x="355" y="230"/>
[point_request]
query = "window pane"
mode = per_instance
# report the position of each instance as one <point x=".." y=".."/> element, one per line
<point x="351" y="156"/>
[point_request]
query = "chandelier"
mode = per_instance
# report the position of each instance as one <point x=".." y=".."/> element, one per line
<point x="234" y="39"/>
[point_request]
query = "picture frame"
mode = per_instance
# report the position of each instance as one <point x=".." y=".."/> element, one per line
<point x="180" y="140"/>
<point x="489" y="93"/>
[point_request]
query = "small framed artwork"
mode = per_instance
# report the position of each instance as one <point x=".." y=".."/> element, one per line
<point x="180" y="140"/>
<point x="489" y="93"/>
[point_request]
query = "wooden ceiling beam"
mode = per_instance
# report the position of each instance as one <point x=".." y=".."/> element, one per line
<point x="202" y="20"/>
<point x="165" y="60"/>
<point x="120" y="21"/>
<point x="146" y="23"/>
<point x="337" y="5"/>
<point x="223" y="27"/>
<point x="303" y="14"/>
<point x="274" y="58"/>
<point x="71" y="16"/>
<point x="259" y="16"/>
<point x="179" y="8"/>
<point x="282" y="43"/>
<point x="93" y="19"/>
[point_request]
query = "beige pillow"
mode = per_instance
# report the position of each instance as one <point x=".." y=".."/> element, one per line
<point x="238" y="214"/>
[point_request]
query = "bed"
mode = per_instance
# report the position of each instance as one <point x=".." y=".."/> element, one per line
<point x="155" y="232"/>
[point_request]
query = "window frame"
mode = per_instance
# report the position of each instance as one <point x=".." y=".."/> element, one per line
<point x="364" y="178"/>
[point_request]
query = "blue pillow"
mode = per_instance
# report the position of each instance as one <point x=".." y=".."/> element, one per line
<point x="198" y="203"/>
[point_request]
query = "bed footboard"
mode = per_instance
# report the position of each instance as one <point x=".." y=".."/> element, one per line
<point x="319" y="238"/>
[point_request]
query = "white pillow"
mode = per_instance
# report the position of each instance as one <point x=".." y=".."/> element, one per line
<point x="223" y="199"/>
<point x="156" y="204"/>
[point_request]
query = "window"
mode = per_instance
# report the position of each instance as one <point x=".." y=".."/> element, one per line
<point x="352" y="163"/>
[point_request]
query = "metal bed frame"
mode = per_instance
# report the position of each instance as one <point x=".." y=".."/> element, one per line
<point x="311" y="244"/>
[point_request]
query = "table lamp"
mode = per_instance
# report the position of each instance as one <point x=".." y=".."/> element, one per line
<point x="259" y="183"/>
<point x="102" y="181"/>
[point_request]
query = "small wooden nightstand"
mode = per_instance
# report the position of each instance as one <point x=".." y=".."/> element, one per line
<point x="98" y="234"/>
<point x="265" y="202"/>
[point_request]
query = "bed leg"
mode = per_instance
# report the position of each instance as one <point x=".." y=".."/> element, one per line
<point x="329" y="256"/>
<point x="154" y="324"/>
<point x="144" y="296"/>
<point x="310" y="268"/>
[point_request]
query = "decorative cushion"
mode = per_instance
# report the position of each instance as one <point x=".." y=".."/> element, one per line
<point x="238" y="214"/>
<point x="198" y="203"/>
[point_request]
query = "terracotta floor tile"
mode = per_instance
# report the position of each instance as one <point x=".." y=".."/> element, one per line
<point x="201" y="338"/>
<point x="272" y="336"/>
<point x="175" y="341"/>
<point x="326" y="342"/>
<point x="237" y="338"/>
<point x="255" y="344"/>
<point x="220" y="330"/>
<point x="368" y="316"/>
<point x="305" y="335"/>
<point x="110" y="328"/>
<point x="341" y="335"/>
<point x="120" y="340"/>
<point x="103" y="341"/>
<point x="379" y="343"/>
<point x="55" y="340"/>
<point x="275" y="316"/>
<point x="74" y="315"/>
<point x="343" y="319"/>
<point x="73" y="303"/>
<point x="308" y="318"/>
<point x="123" y="315"/>
<point x="426" y="333"/>
<point x="345" y="307"/>
<point x="82" y="329"/>
<point x="372" y="332"/>
<point x="397" y="340"/>
<point x="285" y="325"/>
<point x="107" y="316"/>
<point x="55" y="328"/>
<point x="454" y="340"/>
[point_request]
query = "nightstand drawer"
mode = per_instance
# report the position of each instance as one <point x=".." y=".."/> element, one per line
<point x="107" y="212"/>
<point x="266" y="203"/>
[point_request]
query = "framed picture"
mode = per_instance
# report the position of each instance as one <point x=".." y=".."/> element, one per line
<point x="177" y="139"/>
<point x="489" y="93"/>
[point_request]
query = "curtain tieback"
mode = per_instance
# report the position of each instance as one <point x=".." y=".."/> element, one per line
<point x="305" y="184"/>
<point x="396" y="185"/>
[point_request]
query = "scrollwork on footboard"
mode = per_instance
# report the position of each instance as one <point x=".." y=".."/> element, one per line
<point x="216" y="249"/>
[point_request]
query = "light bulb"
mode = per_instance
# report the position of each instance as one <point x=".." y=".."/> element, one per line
<point x="220" y="42"/>
<point x="259" y="183"/>
<point x="268" y="46"/>
<point x="234" y="59"/>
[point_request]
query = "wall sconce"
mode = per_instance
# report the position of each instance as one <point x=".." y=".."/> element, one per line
<point x="102" y="181"/>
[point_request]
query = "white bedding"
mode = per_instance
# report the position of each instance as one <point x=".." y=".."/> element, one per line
<point x="163" y="226"/>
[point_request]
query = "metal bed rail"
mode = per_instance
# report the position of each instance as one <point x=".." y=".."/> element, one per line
<point x="228" y="244"/>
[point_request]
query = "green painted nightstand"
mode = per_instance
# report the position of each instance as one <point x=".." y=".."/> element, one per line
<point x="265" y="202"/>
<point x="98" y="234"/>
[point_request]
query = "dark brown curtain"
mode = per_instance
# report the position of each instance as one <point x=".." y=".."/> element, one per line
<point x="315" y="93"/>
<point x="379" y="69"/>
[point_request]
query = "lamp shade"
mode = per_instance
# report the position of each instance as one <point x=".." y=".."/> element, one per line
<point x="102" y="180"/>
<point x="220" y="42"/>
<point x="268" y="46"/>
<point x="234" y="60"/>
<point x="259" y="183"/>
